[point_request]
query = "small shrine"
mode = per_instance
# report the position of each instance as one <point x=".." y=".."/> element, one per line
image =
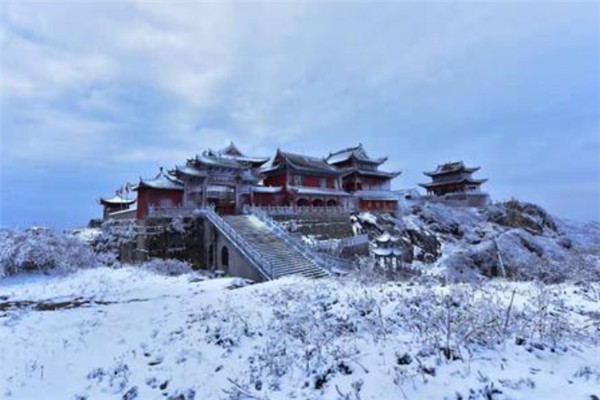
<point x="386" y="253"/>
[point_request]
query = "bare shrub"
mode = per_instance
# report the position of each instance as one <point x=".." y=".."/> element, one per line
<point x="169" y="267"/>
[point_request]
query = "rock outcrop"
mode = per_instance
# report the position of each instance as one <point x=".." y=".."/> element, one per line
<point x="514" y="240"/>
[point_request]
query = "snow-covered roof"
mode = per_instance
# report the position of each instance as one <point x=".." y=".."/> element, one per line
<point x="386" y="252"/>
<point x="209" y="159"/>
<point x="351" y="170"/>
<point x="450" y="168"/>
<point x="249" y="160"/>
<point x="453" y="182"/>
<point x="318" y="191"/>
<point x="358" y="153"/>
<point x="385" y="237"/>
<point x="233" y="153"/>
<point x="301" y="163"/>
<point x="116" y="200"/>
<point x="163" y="181"/>
<point x="189" y="171"/>
<point x="267" y="189"/>
<point x="231" y="150"/>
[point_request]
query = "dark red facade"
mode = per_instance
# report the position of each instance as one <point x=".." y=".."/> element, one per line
<point x="151" y="197"/>
<point x="301" y="181"/>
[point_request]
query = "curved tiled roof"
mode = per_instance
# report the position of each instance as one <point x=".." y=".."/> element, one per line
<point x="458" y="181"/>
<point x="302" y="163"/>
<point x="116" y="199"/>
<point x="351" y="170"/>
<point x="450" y="168"/>
<point x="357" y="152"/>
<point x="161" y="181"/>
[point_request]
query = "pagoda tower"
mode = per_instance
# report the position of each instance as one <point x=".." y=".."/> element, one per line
<point x="453" y="178"/>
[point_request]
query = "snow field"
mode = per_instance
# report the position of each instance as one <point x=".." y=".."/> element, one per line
<point x="150" y="336"/>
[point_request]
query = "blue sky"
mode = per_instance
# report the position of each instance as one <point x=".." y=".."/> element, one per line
<point x="98" y="93"/>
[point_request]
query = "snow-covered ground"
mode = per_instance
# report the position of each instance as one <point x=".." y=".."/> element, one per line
<point x="129" y="333"/>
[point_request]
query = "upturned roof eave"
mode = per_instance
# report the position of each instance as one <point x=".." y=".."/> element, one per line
<point x="372" y="173"/>
<point x="438" y="184"/>
<point x="452" y="171"/>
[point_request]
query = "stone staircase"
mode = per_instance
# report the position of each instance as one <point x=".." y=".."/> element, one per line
<point x="283" y="257"/>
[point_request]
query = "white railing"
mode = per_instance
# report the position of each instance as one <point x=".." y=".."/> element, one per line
<point x="172" y="211"/>
<point x="353" y="241"/>
<point x="296" y="210"/>
<point x="262" y="264"/>
<point x="324" y="261"/>
<point x="123" y="214"/>
<point x="335" y="246"/>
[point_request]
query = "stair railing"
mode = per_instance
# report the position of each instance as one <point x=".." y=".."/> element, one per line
<point x="324" y="261"/>
<point x="261" y="263"/>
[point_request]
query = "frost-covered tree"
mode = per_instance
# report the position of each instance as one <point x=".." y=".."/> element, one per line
<point x="42" y="249"/>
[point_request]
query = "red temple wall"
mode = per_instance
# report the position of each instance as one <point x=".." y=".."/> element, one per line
<point x="367" y="182"/>
<point x="378" y="205"/>
<point x="307" y="180"/>
<point x="275" y="180"/>
<point x="268" y="199"/>
<point x="315" y="181"/>
<point x="157" y="197"/>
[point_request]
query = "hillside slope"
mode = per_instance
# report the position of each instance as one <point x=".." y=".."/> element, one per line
<point x="130" y="334"/>
<point x="513" y="240"/>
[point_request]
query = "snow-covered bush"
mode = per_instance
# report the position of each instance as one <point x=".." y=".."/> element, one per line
<point x="42" y="249"/>
<point x="320" y="331"/>
<point x="168" y="267"/>
<point x="114" y="234"/>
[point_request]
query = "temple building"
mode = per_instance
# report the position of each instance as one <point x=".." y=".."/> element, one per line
<point x="229" y="180"/>
<point x="163" y="191"/>
<point x="370" y="187"/>
<point x="302" y="181"/>
<point x="454" y="181"/>
<point x="115" y="204"/>
<point x="223" y="179"/>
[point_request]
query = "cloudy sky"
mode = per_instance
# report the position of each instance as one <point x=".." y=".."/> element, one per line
<point x="98" y="93"/>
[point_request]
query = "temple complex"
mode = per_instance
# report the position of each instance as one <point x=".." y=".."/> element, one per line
<point x="370" y="187"/>
<point x="451" y="178"/>
<point x="229" y="180"/>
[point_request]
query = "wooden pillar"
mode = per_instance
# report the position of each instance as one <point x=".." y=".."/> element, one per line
<point x="204" y="186"/>
<point x="236" y="197"/>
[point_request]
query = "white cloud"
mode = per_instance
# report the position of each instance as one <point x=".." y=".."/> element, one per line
<point x="276" y="73"/>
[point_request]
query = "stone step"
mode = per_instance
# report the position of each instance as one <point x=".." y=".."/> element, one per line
<point x="285" y="259"/>
<point x="284" y="272"/>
